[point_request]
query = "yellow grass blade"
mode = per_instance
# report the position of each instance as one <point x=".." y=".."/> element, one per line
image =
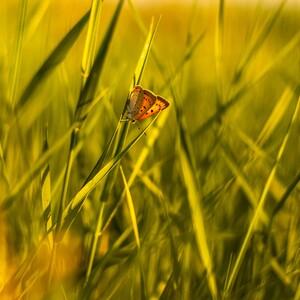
<point x="131" y="210"/>
<point x="261" y="203"/>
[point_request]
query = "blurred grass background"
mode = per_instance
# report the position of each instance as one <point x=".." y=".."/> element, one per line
<point x="214" y="210"/>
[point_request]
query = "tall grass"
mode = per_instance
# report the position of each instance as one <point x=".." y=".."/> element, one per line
<point x="199" y="202"/>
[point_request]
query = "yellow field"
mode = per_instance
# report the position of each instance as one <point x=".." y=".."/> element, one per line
<point x="200" y="201"/>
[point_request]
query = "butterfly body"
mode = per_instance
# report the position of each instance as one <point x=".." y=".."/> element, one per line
<point x="144" y="103"/>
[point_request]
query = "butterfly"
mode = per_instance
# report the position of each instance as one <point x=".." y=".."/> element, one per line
<point x="144" y="103"/>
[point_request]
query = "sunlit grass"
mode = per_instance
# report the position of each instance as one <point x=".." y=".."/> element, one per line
<point x="198" y="202"/>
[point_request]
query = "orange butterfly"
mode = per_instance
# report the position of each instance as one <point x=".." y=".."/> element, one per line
<point x="144" y="103"/>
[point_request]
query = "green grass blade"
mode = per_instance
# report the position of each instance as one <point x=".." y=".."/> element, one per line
<point x="272" y="122"/>
<point x="285" y="196"/>
<point x="237" y="96"/>
<point x="100" y="161"/>
<point x="151" y="139"/>
<point x="187" y="160"/>
<point x="46" y="194"/>
<point x="24" y="182"/>
<point x="289" y="46"/>
<point x="253" y="49"/>
<point x="242" y="180"/>
<point x="197" y="179"/>
<point x="219" y="50"/>
<point x="55" y="58"/>
<point x="256" y="150"/>
<point x="125" y="266"/>
<point x="141" y="65"/>
<point x="87" y="94"/>
<point x="17" y="54"/>
<point x="71" y="210"/>
<point x="186" y="58"/>
<point x="131" y="210"/>
<point x="121" y="138"/>
<point x="4" y="182"/>
<point x="155" y="131"/>
<point x="91" y="38"/>
<point x="197" y="220"/>
<point x="36" y="18"/>
<point x="276" y="116"/>
<point x="139" y="20"/>
<point x="260" y="205"/>
<point x="86" y="97"/>
<point x="104" y="262"/>
<point x="134" y="223"/>
<point x="85" y="100"/>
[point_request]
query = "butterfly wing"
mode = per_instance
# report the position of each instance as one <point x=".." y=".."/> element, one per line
<point x="142" y="101"/>
<point x="159" y="104"/>
<point x="135" y="102"/>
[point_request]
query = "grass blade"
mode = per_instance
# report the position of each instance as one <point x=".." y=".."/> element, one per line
<point x="86" y="95"/>
<point x="258" y="42"/>
<point x="140" y="68"/>
<point x="76" y="202"/>
<point x="121" y="138"/>
<point x="134" y="223"/>
<point x="237" y="96"/>
<point x="55" y="58"/>
<point x="188" y="169"/>
<point x="285" y="196"/>
<point x="260" y="205"/>
<point x="137" y="166"/>
<point x="276" y="115"/>
<point x="88" y="92"/>
<point x="91" y="38"/>
<point x="131" y="210"/>
<point x="219" y="50"/>
<point x="242" y="180"/>
<point x="24" y="182"/>
<point x="139" y="21"/>
<point x="46" y="194"/>
<point x="18" y="53"/>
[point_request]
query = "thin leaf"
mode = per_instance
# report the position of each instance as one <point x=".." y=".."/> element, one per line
<point x="187" y="160"/>
<point x="17" y="54"/>
<point x="219" y="50"/>
<point x="23" y="183"/>
<point x="242" y="180"/>
<point x="258" y="42"/>
<point x="99" y="267"/>
<point x="276" y="116"/>
<point x="285" y="196"/>
<point x="121" y="138"/>
<point x="91" y="38"/>
<point x="36" y="18"/>
<point x="261" y="203"/>
<point x="46" y="194"/>
<point x="55" y="58"/>
<point x="237" y="96"/>
<point x="131" y="210"/>
<point x="88" y="92"/>
<point x="75" y="204"/>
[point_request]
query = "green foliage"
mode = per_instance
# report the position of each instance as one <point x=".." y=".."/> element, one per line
<point x="199" y="202"/>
